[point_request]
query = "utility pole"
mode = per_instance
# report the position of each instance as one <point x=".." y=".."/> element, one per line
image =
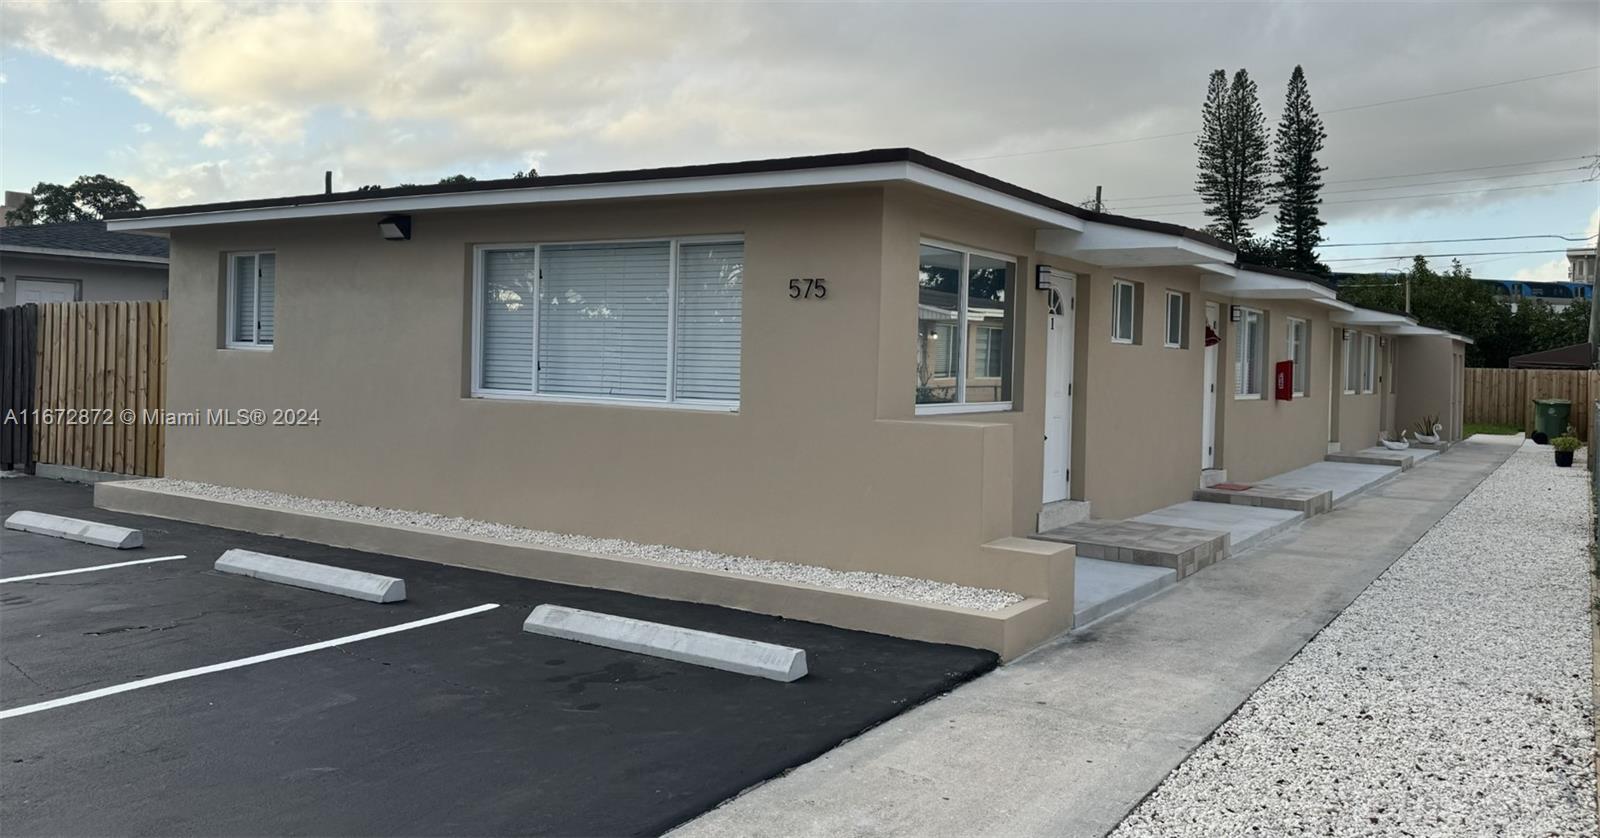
<point x="1099" y="206"/>
<point x="1594" y="309"/>
<point x="1408" y="293"/>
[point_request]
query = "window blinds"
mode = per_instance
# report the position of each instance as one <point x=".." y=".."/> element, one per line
<point x="601" y="314"/>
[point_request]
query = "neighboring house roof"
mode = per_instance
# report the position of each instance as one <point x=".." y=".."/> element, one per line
<point x="83" y="240"/>
<point x="1289" y="274"/>
<point x="875" y="165"/>
<point x="1578" y="356"/>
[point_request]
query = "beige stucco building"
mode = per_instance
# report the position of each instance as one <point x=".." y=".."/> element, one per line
<point x="874" y="361"/>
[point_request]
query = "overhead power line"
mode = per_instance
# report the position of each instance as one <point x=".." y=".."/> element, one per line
<point x="1345" y="109"/>
<point x="1456" y="241"/>
<point x="1441" y="255"/>
<point x="1411" y="197"/>
<point x="1190" y="193"/>
<point x="1196" y="199"/>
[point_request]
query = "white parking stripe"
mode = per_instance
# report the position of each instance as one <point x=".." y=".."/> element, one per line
<point x="87" y="569"/>
<point x="241" y="662"/>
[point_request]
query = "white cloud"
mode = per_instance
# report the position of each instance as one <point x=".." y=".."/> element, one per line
<point x="385" y="92"/>
<point x="1554" y="270"/>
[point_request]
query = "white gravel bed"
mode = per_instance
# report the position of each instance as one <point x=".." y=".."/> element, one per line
<point x="1453" y="697"/>
<point x="879" y="584"/>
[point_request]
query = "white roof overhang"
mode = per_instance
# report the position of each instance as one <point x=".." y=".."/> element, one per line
<point x="1368" y="317"/>
<point x="1253" y="285"/>
<point x="533" y="194"/>
<point x="1114" y="246"/>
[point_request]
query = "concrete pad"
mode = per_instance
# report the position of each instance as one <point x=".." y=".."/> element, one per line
<point x="1342" y="479"/>
<point x="1102" y="587"/>
<point x="317" y="577"/>
<point x="1245" y="525"/>
<point x="701" y="648"/>
<point x="1138" y="542"/>
<point x="1068" y="738"/>
<point x="1370" y="457"/>
<point x="75" y="529"/>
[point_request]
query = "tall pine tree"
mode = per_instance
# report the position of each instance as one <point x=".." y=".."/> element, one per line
<point x="1297" y="186"/>
<point x="1233" y="178"/>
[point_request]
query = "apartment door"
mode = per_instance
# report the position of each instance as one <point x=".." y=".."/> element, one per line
<point x="46" y="291"/>
<point x="1058" y="391"/>
<point x="1208" y="411"/>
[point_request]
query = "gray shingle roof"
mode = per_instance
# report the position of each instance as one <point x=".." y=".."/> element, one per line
<point x="84" y="236"/>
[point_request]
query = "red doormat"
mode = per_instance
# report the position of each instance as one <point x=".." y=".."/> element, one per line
<point x="1231" y="487"/>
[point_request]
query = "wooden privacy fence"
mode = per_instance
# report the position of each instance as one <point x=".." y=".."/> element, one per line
<point x="101" y="371"/>
<point x="1505" y="397"/>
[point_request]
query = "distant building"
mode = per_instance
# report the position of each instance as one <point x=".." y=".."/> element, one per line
<point x="1581" y="265"/>
<point x="1557" y="295"/>
<point x="79" y="260"/>
<point x="13" y="201"/>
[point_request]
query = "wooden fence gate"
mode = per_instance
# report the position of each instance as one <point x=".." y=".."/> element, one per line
<point x="1505" y="397"/>
<point x="100" y="385"/>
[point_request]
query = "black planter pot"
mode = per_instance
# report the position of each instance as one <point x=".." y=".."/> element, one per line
<point x="1564" y="458"/>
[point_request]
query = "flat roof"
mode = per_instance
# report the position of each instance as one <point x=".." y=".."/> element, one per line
<point x="508" y="190"/>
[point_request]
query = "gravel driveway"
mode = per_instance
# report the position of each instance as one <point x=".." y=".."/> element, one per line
<point x="1453" y="697"/>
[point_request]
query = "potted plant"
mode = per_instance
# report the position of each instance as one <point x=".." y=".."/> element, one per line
<point x="1565" y="447"/>
<point x="1428" y="430"/>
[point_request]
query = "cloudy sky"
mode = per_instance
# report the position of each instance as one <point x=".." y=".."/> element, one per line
<point x="1495" y="130"/>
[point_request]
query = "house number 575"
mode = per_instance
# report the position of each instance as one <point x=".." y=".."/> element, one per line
<point x="808" y="289"/>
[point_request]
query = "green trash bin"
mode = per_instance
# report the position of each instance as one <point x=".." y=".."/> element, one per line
<point x="1550" y="416"/>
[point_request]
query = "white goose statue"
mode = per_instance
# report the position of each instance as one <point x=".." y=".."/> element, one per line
<point x="1396" y="446"/>
<point x="1432" y="438"/>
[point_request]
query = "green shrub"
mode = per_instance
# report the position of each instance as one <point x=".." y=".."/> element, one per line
<point x="1566" y="443"/>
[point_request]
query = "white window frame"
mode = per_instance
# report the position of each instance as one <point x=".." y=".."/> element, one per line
<point x="1369" y="364"/>
<point x="1183" y="313"/>
<point x="254" y="344"/>
<point x="1261" y="320"/>
<point x="961" y="405"/>
<point x="1297" y="334"/>
<point x="1116" y="310"/>
<point x="670" y="402"/>
<point x="1351" y="355"/>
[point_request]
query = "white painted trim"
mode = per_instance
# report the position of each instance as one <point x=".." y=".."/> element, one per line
<point x="478" y="391"/>
<point x="52" y="573"/>
<point x="1261" y="352"/>
<point x="1248" y="284"/>
<point x="1115" y="311"/>
<point x="970" y="407"/>
<point x="254" y="344"/>
<point x="895" y="171"/>
<point x="519" y="396"/>
<point x="1166" y="326"/>
<point x="157" y="680"/>
<point x="82" y="254"/>
<point x="1305" y="344"/>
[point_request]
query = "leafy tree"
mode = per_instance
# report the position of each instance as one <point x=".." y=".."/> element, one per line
<point x="1232" y="148"/>
<point x="1298" y="184"/>
<point x="457" y="179"/>
<point x="88" y="198"/>
<point x="525" y="175"/>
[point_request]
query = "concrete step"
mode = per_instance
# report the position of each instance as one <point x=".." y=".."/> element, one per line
<point x="1271" y="496"/>
<point x="1181" y="549"/>
<point x="1103" y="587"/>
<point x="1245" y="525"/>
<point x="1391" y="458"/>
<point x="1061" y="513"/>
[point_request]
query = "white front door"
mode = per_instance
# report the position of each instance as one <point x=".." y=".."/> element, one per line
<point x="46" y="291"/>
<point x="1208" y="416"/>
<point x="1058" y="392"/>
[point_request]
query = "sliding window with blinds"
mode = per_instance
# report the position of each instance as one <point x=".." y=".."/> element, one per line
<point x="653" y="321"/>
<point x="252" y="300"/>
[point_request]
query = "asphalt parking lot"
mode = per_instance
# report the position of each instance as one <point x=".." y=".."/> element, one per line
<point x="465" y="726"/>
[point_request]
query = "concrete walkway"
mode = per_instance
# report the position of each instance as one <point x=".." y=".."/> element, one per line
<point x="1068" y="739"/>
